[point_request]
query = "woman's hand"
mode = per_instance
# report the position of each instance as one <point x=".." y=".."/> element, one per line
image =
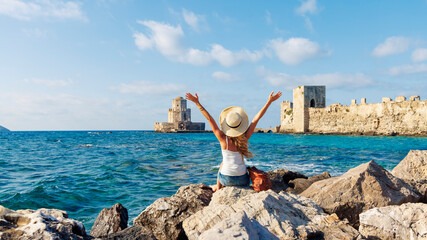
<point x="273" y="97"/>
<point x="192" y="98"/>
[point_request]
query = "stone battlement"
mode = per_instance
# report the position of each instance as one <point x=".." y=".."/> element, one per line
<point x="398" y="117"/>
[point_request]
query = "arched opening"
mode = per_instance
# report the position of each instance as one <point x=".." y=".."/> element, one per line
<point x="312" y="103"/>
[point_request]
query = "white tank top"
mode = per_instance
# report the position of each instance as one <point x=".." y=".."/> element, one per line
<point x="232" y="162"/>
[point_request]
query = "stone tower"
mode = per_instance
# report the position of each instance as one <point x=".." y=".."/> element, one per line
<point x="179" y="119"/>
<point x="179" y="111"/>
<point x="304" y="98"/>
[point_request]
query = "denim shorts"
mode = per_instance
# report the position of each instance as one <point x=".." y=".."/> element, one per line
<point x="225" y="180"/>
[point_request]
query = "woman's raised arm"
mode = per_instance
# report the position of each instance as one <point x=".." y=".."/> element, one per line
<point x="218" y="133"/>
<point x="273" y="97"/>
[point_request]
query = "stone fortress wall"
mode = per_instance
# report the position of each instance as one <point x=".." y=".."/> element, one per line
<point x="179" y="119"/>
<point x="308" y="114"/>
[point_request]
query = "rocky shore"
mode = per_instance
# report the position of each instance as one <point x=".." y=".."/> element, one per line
<point x="367" y="202"/>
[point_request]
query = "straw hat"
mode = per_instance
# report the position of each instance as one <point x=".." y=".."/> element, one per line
<point x="234" y="121"/>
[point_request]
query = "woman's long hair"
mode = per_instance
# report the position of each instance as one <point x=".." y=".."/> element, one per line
<point x="241" y="144"/>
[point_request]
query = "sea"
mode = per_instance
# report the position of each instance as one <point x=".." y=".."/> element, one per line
<point x="83" y="172"/>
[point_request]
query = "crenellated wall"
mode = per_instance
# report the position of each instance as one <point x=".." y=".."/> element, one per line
<point x="399" y="117"/>
<point x="390" y="118"/>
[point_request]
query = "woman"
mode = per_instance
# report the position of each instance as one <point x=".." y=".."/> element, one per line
<point x="233" y="137"/>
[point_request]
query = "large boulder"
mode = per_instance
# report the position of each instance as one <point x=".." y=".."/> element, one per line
<point x="333" y="228"/>
<point x="110" y="221"/>
<point x="281" y="177"/>
<point x="299" y="185"/>
<point x="165" y="216"/>
<point x="413" y="170"/>
<point x="131" y="233"/>
<point x="258" y="215"/>
<point x="39" y="224"/>
<point x="361" y="188"/>
<point x="406" y="222"/>
<point x="238" y="227"/>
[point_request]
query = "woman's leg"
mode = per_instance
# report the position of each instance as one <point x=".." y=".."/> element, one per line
<point x="218" y="184"/>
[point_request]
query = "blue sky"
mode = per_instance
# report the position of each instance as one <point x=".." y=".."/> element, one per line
<point x="117" y="65"/>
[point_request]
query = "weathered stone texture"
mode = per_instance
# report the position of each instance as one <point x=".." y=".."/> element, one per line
<point x="403" y="118"/>
<point x="131" y="233"/>
<point x="39" y="224"/>
<point x="110" y="221"/>
<point x="238" y="227"/>
<point x="253" y="215"/>
<point x="361" y="188"/>
<point x="299" y="185"/>
<point x="406" y="222"/>
<point x="281" y="177"/>
<point x="164" y="217"/>
<point x="413" y="170"/>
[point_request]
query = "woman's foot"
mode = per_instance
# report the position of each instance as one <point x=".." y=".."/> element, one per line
<point x="216" y="187"/>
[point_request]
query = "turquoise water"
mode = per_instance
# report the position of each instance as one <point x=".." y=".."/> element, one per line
<point x="84" y="172"/>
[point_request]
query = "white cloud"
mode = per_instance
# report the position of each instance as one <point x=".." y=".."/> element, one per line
<point x="225" y="77"/>
<point x="408" y="69"/>
<point x="392" y="45"/>
<point x="331" y="80"/>
<point x="167" y="40"/>
<point x="49" y="83"/>
<point x="147" y="87"/>
<point x="268" y="17"/>
<point x="296" y="50"/>
<point x="192" y="19"/>
<point x="164" y="37"/>
<point x="35" y="111"/>
<point x="26" y="10"/>
<point x="142" y="41"/>
<point x="419" y="55"/>
<point x="309" y="6"/>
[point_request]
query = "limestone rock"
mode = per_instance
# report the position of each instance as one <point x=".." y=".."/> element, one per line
<point x="238" y="227"/>
<point x="281" y="177"/>
<point x="334" y="228"/>
<point x="132" y="233"/>
<point x="285" y="215"/>
<point x="407" y="222"/>
<point x="413" y="170"/>
<point x="298" y="185"/>
<point x="359" y="189"/>
<point x="110" y="221"/>
<point x="165" y="216"/>
<point x="413" y="166"/>
<point x="38" y="224"/>
<point x="230" y="195"/>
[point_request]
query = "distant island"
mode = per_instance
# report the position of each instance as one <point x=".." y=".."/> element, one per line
<point x="3" y="129"/>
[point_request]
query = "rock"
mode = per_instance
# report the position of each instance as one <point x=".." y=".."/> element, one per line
<point x="413" y="166"/>
<point x="132" y="233"/>
<point x="281" y="177"/>
<point x="38" y="224"/>
<point x="298" y="185"/>
<point x="334" y="228"/>
<point x="286" y="216"/>
<point x="239" y="226"/>
<point x="165" y="216"/>
<point x="230" y="195"/>
<point x="110" y="221"/>
<point x="359" y="189"/>
<point x="413" y="170"/>
<point x="407" y="221"/>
